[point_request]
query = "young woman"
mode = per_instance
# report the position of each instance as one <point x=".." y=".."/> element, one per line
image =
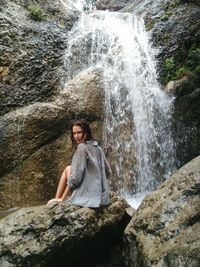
<point x="85" y="180"/>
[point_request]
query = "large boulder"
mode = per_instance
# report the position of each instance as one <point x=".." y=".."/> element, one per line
<point x="85" y="94"/>
<point x="62" y="235"/>
<point x="35" y="140"/>
<point x="165" y="229"/>
<point x="184" y="86"/>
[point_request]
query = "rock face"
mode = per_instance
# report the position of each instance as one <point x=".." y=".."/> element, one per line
<point x="186" y="116"/>
<point x="165" y="229"/>
<point x="32" y="51"/>
<point x="61" y="235"/>
<point x="186" y="119"/>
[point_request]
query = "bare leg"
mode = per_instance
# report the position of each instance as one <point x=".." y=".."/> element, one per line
<point x="63" y="182"/>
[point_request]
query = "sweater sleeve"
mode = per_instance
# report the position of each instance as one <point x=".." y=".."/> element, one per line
<point x="78" y="167"/>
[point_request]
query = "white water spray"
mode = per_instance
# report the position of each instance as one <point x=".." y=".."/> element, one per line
<point x="138" y="112"/>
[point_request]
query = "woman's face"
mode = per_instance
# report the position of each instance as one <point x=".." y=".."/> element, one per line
<point x="78" y="134"/>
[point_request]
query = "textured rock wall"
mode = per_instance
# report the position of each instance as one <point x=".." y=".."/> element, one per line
<point x="113" y="5"/>
<point x="31" y="57"/>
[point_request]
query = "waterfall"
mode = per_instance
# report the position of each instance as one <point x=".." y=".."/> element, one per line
<point x="137" y="123"/>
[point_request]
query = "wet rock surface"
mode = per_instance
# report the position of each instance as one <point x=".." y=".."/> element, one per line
<point x="31" y="51"/>
<point x="61" y="235"/>
<point x="165" y="229"/>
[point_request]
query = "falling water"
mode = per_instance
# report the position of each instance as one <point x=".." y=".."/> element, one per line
<point x="138" y="113"/>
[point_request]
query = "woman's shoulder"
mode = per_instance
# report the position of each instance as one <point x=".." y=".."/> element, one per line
<point x="87" y="145"/>
<point x="81" y="146"/>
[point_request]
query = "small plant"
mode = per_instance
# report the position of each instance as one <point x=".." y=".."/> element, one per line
<point x="37" y="13"/>
<point x="169" y="64"/>
<point x="192" y="64"/>
<point x="170" y="69"/>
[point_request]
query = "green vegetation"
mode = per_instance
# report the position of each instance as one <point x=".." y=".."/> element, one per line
<point x="181" y="72"/>
<point x="37" y="13"/>
<point x="191" y="65"/>
<point x="170" y="69"/>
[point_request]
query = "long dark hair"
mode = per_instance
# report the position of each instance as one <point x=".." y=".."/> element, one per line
<point x="85" y="127"/>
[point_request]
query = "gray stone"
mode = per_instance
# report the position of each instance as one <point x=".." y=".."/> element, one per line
<point x="113" y="5"/>
<point x="60" y="235"/>
<point x="164" y="231"/>
<point x="85" y="94"/>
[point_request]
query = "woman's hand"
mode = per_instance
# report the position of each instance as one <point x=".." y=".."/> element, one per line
<point x="54" y="200"/>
